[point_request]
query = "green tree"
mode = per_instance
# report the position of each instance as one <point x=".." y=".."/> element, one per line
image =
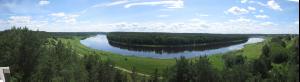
<point x="155" y="76"/>
<point x="133" y="74"/>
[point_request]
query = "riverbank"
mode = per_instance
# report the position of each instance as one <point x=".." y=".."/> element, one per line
<point x="148" y="65"/>
<point x="100" y="42"/>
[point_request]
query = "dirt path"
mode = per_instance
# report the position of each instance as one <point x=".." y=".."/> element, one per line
<point x="128" y="71"/>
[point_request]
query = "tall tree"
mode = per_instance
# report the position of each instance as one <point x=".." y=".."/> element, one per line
<point x="155" y="76"/>
<point x="133" y="74"/>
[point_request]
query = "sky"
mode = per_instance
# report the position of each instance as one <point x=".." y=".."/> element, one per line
<point x="178" y="16"/>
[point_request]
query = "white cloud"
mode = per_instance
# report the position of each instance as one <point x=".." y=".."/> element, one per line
<point x="196" y="20"/>
<point x="194" y="25"/>
<point x="267" y="24"/>
<point x="163" y="16"/>
<point x="64" y="18"/>
<point x="201" y="15"/>
<point x="244" y="1"/>
<point x="261" y="11"/>
<point x="158" y="27"/>
<point x="262" y="16"/>
<point x="241" y="19"/>
<point x="44" y="2"/>
<point x="60" y="14"/>
<point x="296" y="22"/>
<point x="261" y="4"/>
<point x="258" y="3"/>
<point x="297" y="1"/>
<point x="164" y="3"/>
<point x="240" y="25"/>
<point x="119" y="2"/>
<point x="114" y="3"/>
<point x="19" y="20"/>
<point x="237" y="11"/>
<point x="2" y="22"/>
<point x="245" y="25"/>
<point x="274" y="5"/>
<point x="251" y="8"/>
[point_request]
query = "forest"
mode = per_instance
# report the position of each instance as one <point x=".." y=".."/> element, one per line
<point x="171" y="39"/>
<point x="35" y="56"/>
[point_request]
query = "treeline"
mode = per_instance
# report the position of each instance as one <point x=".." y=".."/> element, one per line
<point x="70" y="35"/>
<point x="174" y="49"/>
<point x="141" y="38"/>
<point x="279" y="62"/>
<point x="34" y="57"/>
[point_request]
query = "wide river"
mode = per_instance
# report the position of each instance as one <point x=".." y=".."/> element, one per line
<point x="100" y="42"/>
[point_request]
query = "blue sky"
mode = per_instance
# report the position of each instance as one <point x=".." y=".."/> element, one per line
<point x="192" y="16"/>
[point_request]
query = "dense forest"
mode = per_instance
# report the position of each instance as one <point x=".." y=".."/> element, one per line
<point x="171" y="39"/>
<point x="35" y="56"/>
<point x="72" y="34"/>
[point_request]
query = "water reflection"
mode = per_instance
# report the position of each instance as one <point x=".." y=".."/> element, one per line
<point x="177" y="49"/>
<point x="100" y="42"/>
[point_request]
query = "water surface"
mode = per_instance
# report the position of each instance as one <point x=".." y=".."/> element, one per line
<point x="100" y="42"/>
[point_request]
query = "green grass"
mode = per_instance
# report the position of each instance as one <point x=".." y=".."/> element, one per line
<point x="217" y="61"/>
<point x="252" y="51"/>
<point x="147" y="65"/>
<point x="143" y="65"/>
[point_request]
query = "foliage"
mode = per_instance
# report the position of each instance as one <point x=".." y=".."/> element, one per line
<point x="139" y="38"/>
<point x="20" y="50"/>
<point x="271" y="66"/>
<point x="192" y="71"/>
<point x="34" y="57"/>
<point x="40" y="56"/>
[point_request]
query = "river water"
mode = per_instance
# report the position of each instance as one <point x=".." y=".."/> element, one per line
<point x="100" y="42"/>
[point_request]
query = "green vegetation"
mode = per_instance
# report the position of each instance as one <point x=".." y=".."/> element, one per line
<point x="172" y="39"/>
<point x="41" y="56"/>
<point x="276" y="63"/>
<point x="143" y="65"/>
<point x="71" y="35"/>
<point x="147" y="65"/>
<point x="36" y="57"/>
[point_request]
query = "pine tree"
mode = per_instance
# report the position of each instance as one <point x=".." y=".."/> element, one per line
<point x="155" y="76"/>
<point x="133" y="74"/>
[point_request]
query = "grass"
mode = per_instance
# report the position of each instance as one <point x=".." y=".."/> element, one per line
<point x="148" y="65"/>
<point x="253" y="51"/>
<point x="250" y="51"/>
<point x="142" y="65"/>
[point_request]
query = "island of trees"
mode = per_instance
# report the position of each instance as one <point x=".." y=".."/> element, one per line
<point x="172" y="39"/>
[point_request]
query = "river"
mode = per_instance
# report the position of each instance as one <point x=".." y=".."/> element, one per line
<point x="100" y="42"/>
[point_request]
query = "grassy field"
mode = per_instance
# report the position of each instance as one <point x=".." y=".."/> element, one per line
<point x="147" y="65"/>
<point x="251" y="51"/>
<point x="143" y="65"/>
